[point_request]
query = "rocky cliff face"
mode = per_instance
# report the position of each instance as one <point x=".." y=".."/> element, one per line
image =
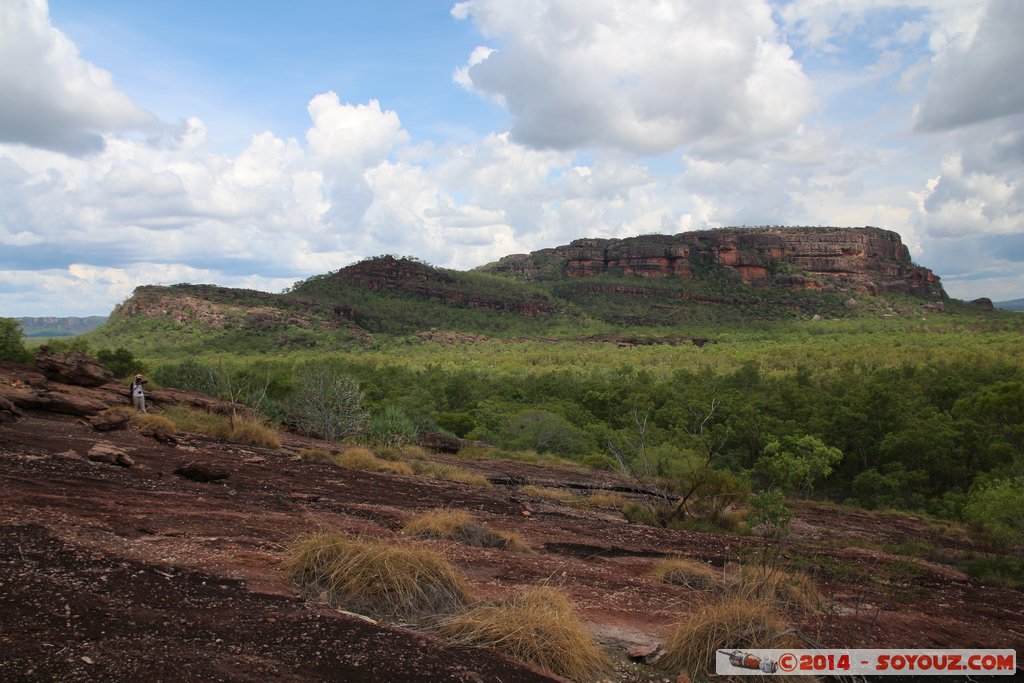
<point x="867" y="259"/>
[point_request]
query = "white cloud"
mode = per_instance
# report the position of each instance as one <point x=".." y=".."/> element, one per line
<point x="645" y="77"/>
<point x="976" y="70"/>
<point x="52" y="97"/>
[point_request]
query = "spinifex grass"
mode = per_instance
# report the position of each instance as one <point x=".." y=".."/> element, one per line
<point x="540" y="626"/>
<point x="684" y="572"/>
<point x="376" y="577"/>
<point x="459" y="525"/>
<point x="731" y="624"/>
<point x="788" y="590"/>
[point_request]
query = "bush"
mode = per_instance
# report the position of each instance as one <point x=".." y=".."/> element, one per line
<point x="796" y="462"/>
<point x="997" y="509"/>
<point x="687" y="573"/>
<point x="545" y="432"/>
<point x="327" y="405"/>
<point x="120" y="361"/>
<point x="12" y="344"/>
<point x="732" y="624"/>
<point x="459" y="525"/>
<point x="392" y="428"/>
<point x="372" y="576"/>
<point x="540" y="627"/>
<point x="607" y="500"/>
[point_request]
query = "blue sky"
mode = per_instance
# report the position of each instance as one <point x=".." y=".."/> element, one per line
<point x="254" y="144"/>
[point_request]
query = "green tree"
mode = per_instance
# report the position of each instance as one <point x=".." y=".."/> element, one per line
<point x="796" y="462"/>
<point x="120" y="361"/>
<point x="997" y="508"/>
<point x="12" y="344"/>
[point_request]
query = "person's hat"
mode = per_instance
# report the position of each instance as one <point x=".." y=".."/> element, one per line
<point x="138" y="376"/>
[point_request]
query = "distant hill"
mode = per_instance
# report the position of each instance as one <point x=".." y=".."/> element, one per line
<point x="60" y="327"/>
<point x="1012" y="305"/>
<point x="591" y="286"/>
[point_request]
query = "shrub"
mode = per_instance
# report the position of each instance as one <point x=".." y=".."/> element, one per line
<point x="327" y="404"/>
<point x="997" y="509"/>
<point x="459" y="525"/>
<point x="788" y="590"/>
<point x="120" y="361"/>
<point x="372" y="576"/>
<point x="540" y="627"/>
<point x="12" y="344"/>
<point x="796" y="462"/>
<point x="731" y="624"/>
<point x="687" y="573"/>
<point x="392" y="428"/>
<point x="638" y="513"/>
<point x="317" y="455"/>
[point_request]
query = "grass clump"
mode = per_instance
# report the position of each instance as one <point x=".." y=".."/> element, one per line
<point x="607" y="500"/>
<point x="540" y="626"/>
<point x="459" y="525"/>
<point x="687" y="573"/>
<point x="238" y="429"/>
<point x="546" y="493"/>
<point x="372" y="576"/>
<point x="788" y="590"/>
<point x="735" y="623"/>
<point x="359" y="459"/>
<point x="451" y="473"/>
<point x="143" y="420"/>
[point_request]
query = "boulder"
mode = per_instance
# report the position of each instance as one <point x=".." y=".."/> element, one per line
<point x="202" y="472"/>
<point x="8" y="411"/>
<point x="72" y="367"/>
<point x="110" y="421"/>
<point x="440" y="443"/>
<point x="109" y="454"/>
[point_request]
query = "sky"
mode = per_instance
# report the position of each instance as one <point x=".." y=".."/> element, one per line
<point x="254" y="144"/>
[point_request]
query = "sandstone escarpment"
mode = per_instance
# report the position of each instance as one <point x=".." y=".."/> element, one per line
<point x="866" y="259"/>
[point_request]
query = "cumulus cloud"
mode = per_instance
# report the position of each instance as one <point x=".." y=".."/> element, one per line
<point x="52" y="98"/>
<point x="645" y="77"/>
<point x="975" y="73"/>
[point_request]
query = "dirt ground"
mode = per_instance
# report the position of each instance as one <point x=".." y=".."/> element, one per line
<point x="135" y="573"/>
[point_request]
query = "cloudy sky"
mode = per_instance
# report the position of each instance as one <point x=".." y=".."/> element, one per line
<point x="256" y="143"/>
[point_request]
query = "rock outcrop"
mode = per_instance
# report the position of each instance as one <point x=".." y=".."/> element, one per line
<point x="868" y="259"/>
<point x="72" y="367"/>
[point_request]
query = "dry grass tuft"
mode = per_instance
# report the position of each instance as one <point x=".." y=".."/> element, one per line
<point x="459" y="525"/>
<point x="143" y="420"/>
<point x="788" y="590"/>
<point x="607" y="500"/>
<point x="546" y="493"/>
<point x="688" y="573"/>
<point x="732" y="624"/>
<point x="359" y="459"/>
<point x="451" y="473"/>
<point x="372" y="576"/>
<point x="240" y="429"/>
<point x="540" y="626"/>
<point x="396" y="468"/>
<point x="317" y="455"/>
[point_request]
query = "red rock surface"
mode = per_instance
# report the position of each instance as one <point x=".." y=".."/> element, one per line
<point x="113" y="572"/>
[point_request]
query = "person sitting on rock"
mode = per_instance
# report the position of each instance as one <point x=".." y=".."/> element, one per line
<point x="138" y="395"/>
